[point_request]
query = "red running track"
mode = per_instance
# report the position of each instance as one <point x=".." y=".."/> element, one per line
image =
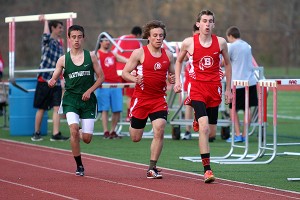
<point x="35" y="172"/>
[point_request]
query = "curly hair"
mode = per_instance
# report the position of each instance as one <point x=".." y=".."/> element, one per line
<point x="151" y="25"/>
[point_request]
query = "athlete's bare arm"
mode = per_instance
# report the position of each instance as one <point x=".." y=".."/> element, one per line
<point x="171" y="70"/>
<point x="58" y="71"/>
<point x="135" y="59"/>
<point x="227" y="65"/>
<point x="185" y="48"/>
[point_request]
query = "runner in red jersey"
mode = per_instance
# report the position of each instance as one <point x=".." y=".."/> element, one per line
<point x="128" y="43"/>
<point x="205" y="80"/>
<point x="188" y="109"/>
<point x="109" y="99"/>
<point x="153" y="65"/>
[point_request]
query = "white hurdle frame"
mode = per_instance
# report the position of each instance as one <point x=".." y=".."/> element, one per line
<point x="261" y="112"/>
<point x="12" y="32"/>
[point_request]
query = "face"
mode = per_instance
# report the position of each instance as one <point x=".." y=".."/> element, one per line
<point x="206" y="24"/>
<point x="58" y="30"/>
<point x="105" y="44"/>
<point x="76" y="39"/>
<point x="156" y="37"/>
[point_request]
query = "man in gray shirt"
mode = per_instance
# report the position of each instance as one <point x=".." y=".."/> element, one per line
<point x="242" y="69"/>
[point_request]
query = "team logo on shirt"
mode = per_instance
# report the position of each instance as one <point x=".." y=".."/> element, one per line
<point x="109" y="61"/>
<point x="157" y="66"/>
<point x="206" y="62"/>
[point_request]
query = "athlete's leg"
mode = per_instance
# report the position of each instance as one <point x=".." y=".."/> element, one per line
<point x="158" y="138"/>
<point x="87" y="130"/>
<point x="56" y="120"/>
<point x="73" y="122"/>
<point x="136" y="128"/>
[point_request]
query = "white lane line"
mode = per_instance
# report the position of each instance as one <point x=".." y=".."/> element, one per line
<point x="96" y="178"/>
<point x="37" y="189"/>
<point x="66" y="153"/>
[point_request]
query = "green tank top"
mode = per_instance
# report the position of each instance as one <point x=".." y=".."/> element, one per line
<point x="78" y="79"/>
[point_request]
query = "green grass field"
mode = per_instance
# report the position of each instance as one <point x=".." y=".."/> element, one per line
<point x="272" y="175"/>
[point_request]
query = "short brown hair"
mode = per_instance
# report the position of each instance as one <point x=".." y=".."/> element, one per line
<point x="233" y="31"/>
<point x="205" y="12"/>
<point x="151" y="25"/>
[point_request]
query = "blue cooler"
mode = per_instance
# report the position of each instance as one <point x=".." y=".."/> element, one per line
<point x="21" y="110"/>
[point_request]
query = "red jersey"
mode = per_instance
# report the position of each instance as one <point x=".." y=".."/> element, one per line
<point x="108" y="64"/>
<point x="154" y="71"/>
<point x="206" y="61"/>
<point x="128" y="45"/>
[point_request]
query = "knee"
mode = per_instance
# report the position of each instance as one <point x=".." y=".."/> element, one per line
<point x="74" y="134"/>
<point x="204" y="128"/>
<point x="87" y="141"/>
<point x="87" y="138"/>
<point x="135" y="138"/>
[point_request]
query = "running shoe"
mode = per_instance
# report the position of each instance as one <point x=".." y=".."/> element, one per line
<point x="80" y="171"/>
<point x="36" y="137"/>
<point x="154" y="173"/>
<point x="187" y="136"/>
<point x="106" y="135"/>
<point x="114" y="135"/>
<point x="195" y="125"/>
<point x="58" y="137"/>
<point x="236" y="139"/>
<point x="209" y="177"/>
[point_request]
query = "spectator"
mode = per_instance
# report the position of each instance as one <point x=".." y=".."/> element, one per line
<point x="79" y="101"/>
<point x="46" y="98"/>
<point x="242" y="69"/>
<point x="109" y="98"/>
<point x="188" y="109"/>
<point x="128" y="43"/>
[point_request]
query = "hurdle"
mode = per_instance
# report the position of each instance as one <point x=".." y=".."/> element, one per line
<point x="12" y="30"/>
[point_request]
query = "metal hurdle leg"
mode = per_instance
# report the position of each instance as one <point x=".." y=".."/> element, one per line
<point x="263" y="84"/>
<point x="246" y="125"/>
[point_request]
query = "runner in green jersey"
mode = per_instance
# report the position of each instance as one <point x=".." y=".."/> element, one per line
<point x="83" y="75"/>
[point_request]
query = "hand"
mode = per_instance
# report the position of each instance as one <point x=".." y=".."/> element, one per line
<point x="171" y="78"/>
<point x="139" y="79"/>
<point x="86" y="96"/>
<point x="177" y="87"/>
<point x="42" y="18"/>
<point x="228" y="97"/>
<point x="51" y="83"/>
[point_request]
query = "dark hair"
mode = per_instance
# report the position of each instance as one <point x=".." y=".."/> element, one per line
<point x="205" y="12"/>
<point x="195" y="28"/>
<point x="54" y="23"/>
<point x="234" y="31"/>
<point x="75" y="28"/>
<point x="136" y="30"/>
<point x="151" y="25"/>
<point x="104" y="36"/>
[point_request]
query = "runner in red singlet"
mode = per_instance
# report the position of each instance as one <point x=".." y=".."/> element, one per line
<point x="205" y="81"/>
<point x="153" y="65"/>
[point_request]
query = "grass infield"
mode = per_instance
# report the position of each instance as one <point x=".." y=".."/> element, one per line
<point x="272" y="175"/>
